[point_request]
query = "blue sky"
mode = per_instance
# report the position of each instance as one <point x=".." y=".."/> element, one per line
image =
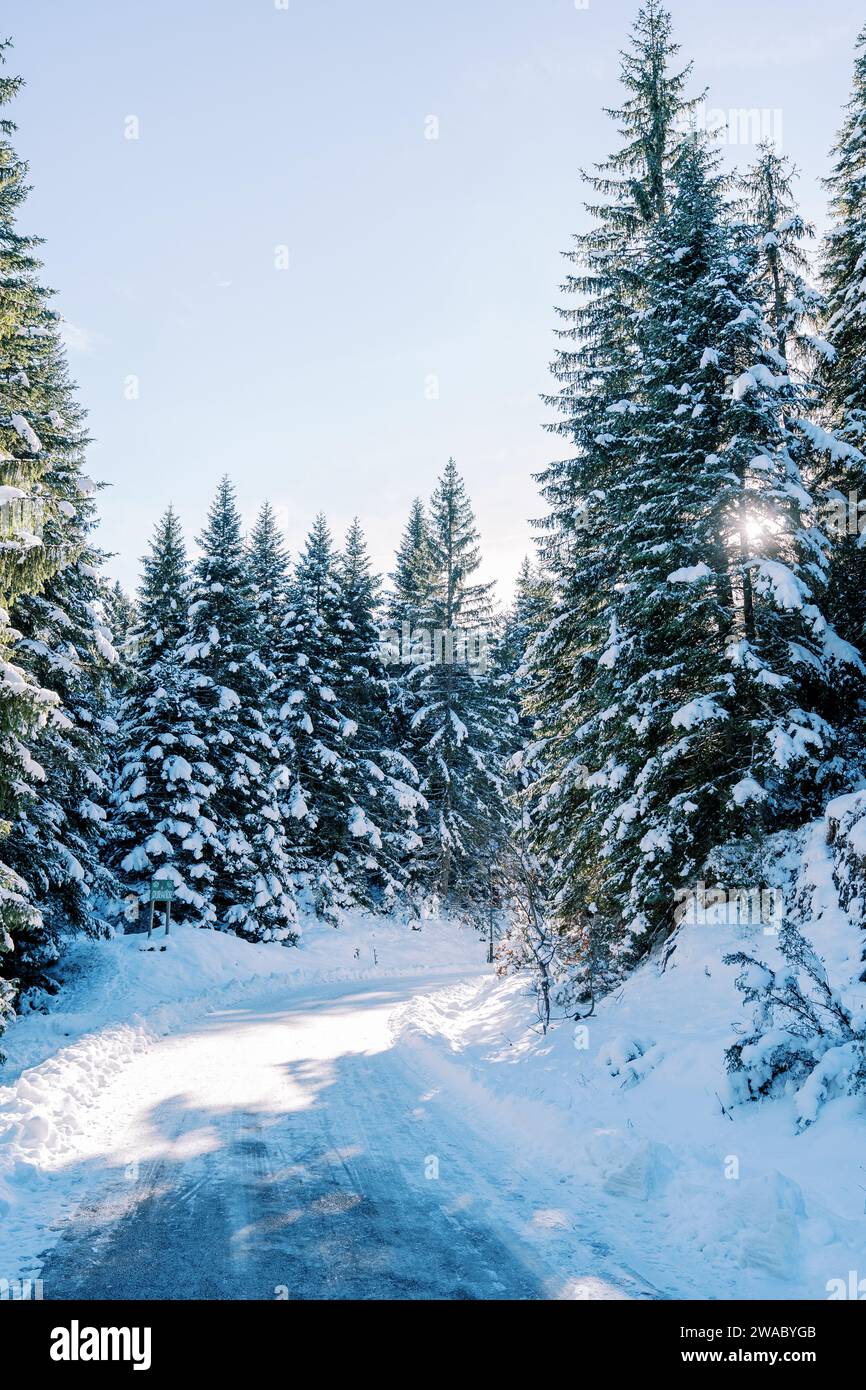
<point x="414" y="264"/>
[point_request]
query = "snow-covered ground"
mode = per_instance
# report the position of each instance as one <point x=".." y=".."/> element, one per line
<point x="118" y="999"/>
<point x="603" y="1161"/>
<point x="709" y="1202"/>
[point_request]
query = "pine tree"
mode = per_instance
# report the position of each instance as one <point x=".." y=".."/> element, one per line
<point x="461" y="711"/>
<point x="269" y="572"/>
<point x="40" y="483"/>
<point x="313" y="728"/>
<point x="164" y="785"/>
<point x="844" y="374"/>
<point x="385" y="801"/>
<point x="523" y="626"/>
<point x="596" y="373"/>
<point x="57" y="842"/>
<point x="792" y="309"/>
<point x="238" y="842"/>
<point x="703" y="719"/>
<point x="768" y="203"/>
<point x="412" y="578"/>
<point x="121" y="613"/>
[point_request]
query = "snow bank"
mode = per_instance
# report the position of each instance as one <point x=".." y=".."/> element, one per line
<point x="632" y="1109"/>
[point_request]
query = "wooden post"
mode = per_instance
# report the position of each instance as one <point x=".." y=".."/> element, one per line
<point x="167" y="915"/>
<point x="150" y="921"/>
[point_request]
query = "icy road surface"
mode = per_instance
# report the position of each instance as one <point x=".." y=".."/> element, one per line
<point x="295" y="1152"/>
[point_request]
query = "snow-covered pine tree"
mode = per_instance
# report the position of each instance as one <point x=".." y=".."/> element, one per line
<point x="523" y="625"/>
<point x="235" y="835"/>
<point x="385" y="800"/>
<point x="164" y="783"/>
<point x="122" y="615"/>
<point x="792" y="310"/>
<point x="461" y="719"/>
<point x="243" y="844"/>
<point x="58" y="840"/>
<point x="704" y="719"/>
<point x="844" y="376"/>
<point x="268" y="564"/>
<point x="314" y="731"/>
<point x="767" y="202"/>
<point x="161" y="608"/>
<point x="269" y="572"/>
<point x="412" y="576"/>
<point x="409" y="618"/>
<point x="596" y="372"/>
<point x="39" y="480"/>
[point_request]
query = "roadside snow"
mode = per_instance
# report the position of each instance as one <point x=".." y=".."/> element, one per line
<point x="632" y="1107"/>
<point x="628" y="1109"/>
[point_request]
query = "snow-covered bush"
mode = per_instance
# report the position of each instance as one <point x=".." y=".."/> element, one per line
<point x="846" y="836"/>
<point x="803" y="1038"/>
<point x="572" y="966"/>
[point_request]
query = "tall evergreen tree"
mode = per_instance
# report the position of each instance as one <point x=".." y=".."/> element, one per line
<point x="412" y="577"/>
<point x="40" y="485"/>
<point x="703" y="718"/>
<point x="164" y="783"/>
<point x="797" y="352"/>
<point x="524" y="624"/>
<point x="844" y="374"/>
<point x="269" y="572"/>
<point x="121" y="613"/>
<point x="385" y="801"/>
<point x="315" y="731"/>
<point x="239" y="842"/>
<point x="461" y="711"/>
<point x="596" y="373"/>
<point x="58" y="840"/>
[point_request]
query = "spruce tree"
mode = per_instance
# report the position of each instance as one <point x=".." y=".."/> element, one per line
<point x="269" y="572"/>
<point x="385" y="801"/>
<point x="524" y="624"/>
<point x="58" y="840"/>
<point x="165" y="784"/>
<point x="704" y="718"/>
<point x="239" y="842"/>
<point x="460" y="717"/>
<point x="313" y="728"/>
<point x="595" y="370"/>
<point x="411" y="579"/>
<point x="794" y="347"/>
<point x="121" y="613"/>
<point x="65" y="645"/>
<point x="844" y="373"/>
<point x="40" y="487"/>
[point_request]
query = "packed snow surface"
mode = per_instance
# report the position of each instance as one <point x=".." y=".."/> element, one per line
<point x="376" y="1114"/>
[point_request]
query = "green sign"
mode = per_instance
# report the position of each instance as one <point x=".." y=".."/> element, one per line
<point x="161" y="890"/>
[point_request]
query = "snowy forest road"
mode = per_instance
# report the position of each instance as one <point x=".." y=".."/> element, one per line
<point x="294" y="1152"/>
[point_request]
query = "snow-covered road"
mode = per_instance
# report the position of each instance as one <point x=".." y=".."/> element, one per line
<point x="290" y="1149"/>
